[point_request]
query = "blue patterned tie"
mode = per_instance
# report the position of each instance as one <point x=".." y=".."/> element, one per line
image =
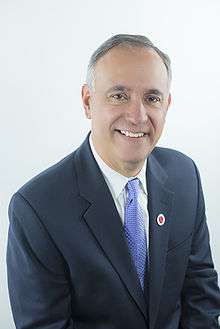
<point x="135" y="229"/>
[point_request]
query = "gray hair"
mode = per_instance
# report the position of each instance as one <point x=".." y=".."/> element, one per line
<point x="124" y="40"/>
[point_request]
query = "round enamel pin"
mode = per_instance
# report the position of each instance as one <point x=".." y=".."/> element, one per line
<point x="161" y="219"/>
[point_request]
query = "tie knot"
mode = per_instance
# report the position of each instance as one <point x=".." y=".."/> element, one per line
<point x="132" y="188"/>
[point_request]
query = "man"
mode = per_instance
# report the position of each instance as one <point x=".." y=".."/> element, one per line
<point x="115" y="235"/>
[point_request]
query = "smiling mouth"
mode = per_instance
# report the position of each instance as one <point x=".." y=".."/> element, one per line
<point x="127" y="133"/>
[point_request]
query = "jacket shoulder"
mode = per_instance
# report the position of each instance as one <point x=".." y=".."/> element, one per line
<point x="171" y="159"/>
<point x="167" y="154"/>
<point x="51" y="181"/>
<point x="179" y="168"/>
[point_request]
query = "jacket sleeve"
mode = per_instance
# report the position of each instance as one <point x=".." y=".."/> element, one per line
<point x="200" y="294"/>
<point x="38" y="282"/>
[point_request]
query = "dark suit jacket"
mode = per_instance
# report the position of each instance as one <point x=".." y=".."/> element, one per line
<point x="68" y="260"/>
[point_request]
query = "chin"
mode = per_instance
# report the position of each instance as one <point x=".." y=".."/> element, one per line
<point x="137" y="156"/>
<point x="134" y="160"/>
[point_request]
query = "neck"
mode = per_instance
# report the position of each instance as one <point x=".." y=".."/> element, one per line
<point x="126" y="169"/>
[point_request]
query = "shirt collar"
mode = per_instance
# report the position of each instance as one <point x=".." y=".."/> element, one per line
<point x="115" y="179"/>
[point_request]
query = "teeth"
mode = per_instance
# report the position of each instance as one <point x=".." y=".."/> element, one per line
<point x="130" y="134"/>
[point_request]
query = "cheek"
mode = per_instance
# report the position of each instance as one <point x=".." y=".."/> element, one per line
<point x="101" y="120"/>
<point x="158" y="119"/>
<point x="105" y="117"/>
<point x="158" y="123"/>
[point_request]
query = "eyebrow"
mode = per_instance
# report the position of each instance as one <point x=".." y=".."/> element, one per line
<point x="118" y="88"/>
<point x="155" y="91"/>
<point x="122" y="88"/>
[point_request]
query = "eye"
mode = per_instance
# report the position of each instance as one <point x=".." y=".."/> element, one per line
<point x="118" y="98"/>
<point x="153" y="99"/>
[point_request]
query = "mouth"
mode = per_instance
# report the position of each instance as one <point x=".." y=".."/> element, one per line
<point x="132" y="134"/>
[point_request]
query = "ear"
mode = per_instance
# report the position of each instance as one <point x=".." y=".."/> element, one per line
<point x="168" y="102"/>
<point x="86" y="99"/>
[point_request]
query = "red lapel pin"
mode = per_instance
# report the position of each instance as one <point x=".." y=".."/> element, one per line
<point x="161" y="219"/>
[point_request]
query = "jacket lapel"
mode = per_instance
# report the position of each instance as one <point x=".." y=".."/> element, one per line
<point x="104" y="222"/>
<point x="160" y="201"/>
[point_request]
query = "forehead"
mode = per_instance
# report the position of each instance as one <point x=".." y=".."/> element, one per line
<point x="136" y="67"/>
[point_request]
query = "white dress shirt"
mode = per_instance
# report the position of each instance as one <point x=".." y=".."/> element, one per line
<point x="116" y="184"/>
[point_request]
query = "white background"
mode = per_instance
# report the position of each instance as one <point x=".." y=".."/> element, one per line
<point x="45" y="47"/>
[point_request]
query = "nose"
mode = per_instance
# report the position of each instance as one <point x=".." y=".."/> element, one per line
<point x="137" y="113"/>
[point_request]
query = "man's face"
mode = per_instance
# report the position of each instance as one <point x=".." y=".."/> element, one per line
<point x="127" y="106"/>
